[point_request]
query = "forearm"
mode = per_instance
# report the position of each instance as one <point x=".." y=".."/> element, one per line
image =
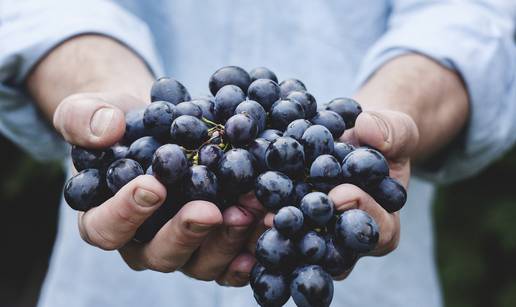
<point x="88" y="63"/>
<point x="431" y="94"/>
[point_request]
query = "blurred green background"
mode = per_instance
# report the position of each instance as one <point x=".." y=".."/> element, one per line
<point x="475" y="226"/>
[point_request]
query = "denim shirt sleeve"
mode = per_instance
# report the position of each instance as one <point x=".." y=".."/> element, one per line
<point x="28" y="31"/>
<point x="475" y="39"/>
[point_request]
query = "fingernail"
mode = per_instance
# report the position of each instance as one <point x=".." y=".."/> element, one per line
<point x="382" y="126"/>
<point x="236" y="232"/>
<point x="101" y="120"/>
<point x="242" y="275"/>
<point x="199" y="228"/>
<point x="145" y="198"/>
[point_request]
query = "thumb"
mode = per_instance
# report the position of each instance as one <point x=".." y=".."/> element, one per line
<point x="88" y="120"/>
<point x="395" y="134"/>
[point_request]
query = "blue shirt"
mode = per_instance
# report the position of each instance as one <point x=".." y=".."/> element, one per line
<point x="333" y="46"/>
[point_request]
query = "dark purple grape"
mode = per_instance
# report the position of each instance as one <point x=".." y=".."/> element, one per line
<point x="142" y="150"/>
<point x="390" y="194"/>
<point x="226" y="101"/>
<point x="290" y="85"/>
<point x="134" y="128"/>
<point x="283" y="112"/>
<point x="210" y="155"/>
<point x="317" y="140"/>
<point x="312" y="247"/>
<point x="325" y="173"/>
<point x="207" y="107"/>
<point x="317" y="209"/>
<point x="122" y="172"/>
<point x="188" y="131"/>
<point x="306" y="100"/>
<point x="200" y="184"/>
<point x="286" y="155"/>
<point x="356" y="230"/>
<point x="276" y="252"/>
<point x="270" y="134"/>
<point x="86" y="190"/>
<point x="255" y="110"/>
<point x="330" y="120"/>
<point x="158" y="117"/>
<point x="236" y="172"/>
<point x="288" y="221"/>
<point x="257" y="148"/>
<point x="240" y="130"/>
<point x="311" y="286"/>
<point x="337" y="261"/>
<point x="168" y="89"/>
<point x="364" y="167"/>
<point x="341" y="150"/>
<point x="118" y="152"/>
<point x="270" y="290"/>
<point x="347" y="108"/>
<point x="189" y="108"/>
<point x="264" y="91"/>
<point x="229" y="75"/>
<point x="301" y="188"/>
<point x="296" y="129"/>
<point x="273" y="189"/>
<point x="170" y="164"/>
<point x="262" y="73"/>
<point x="84" y="158"/>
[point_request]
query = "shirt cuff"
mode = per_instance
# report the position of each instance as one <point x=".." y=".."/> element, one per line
<point x="467" y="40"/>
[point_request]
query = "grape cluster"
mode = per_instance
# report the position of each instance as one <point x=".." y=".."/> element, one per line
<point x="252" y="134"/>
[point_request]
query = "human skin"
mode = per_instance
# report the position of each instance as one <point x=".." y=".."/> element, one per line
<point x="412" y="108"/>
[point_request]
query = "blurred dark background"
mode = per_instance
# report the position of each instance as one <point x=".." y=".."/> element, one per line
<point x="475" y="227"/>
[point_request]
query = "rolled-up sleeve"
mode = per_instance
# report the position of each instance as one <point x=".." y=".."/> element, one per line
<point x="475" y="38"/>
<point x="28" y="31"/>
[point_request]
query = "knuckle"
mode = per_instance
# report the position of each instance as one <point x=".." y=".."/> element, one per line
<point x="103" y="240"/>
<point x="161" y="265"/>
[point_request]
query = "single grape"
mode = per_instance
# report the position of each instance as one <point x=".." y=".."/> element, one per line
<point x="158" y="117"/>
<point x="341" y="150"/>
<point x="188" y="131"/>
<point x="312" y="247"/>
<point x="240" y="130"/>
<point x="262" y="73"/>
<point x="330" y="120"/>
<point x="317" y="209"/>
<point x="356" y="230"/>
<point x="255" y="110"/>
<point x="273" y="189"/>
<point x="301" y="188"/>
<point x="337" y="261"/>
<point x="288" y="221"/>
<point x="189" y="108"/>
<point x="364" y="167"/>
<point x="287" y="156"/>
<point x="269" y="289"/>
<point x="86" y="190"/>
<point x="118" y="152"/>
<point x="84" y="158"/>
<point x="200" y="184"/>
<point x="226" y="101"/>
<point x="236" y="172"/>
<point x="121" y="172"/>
<point x="306" y="100"/>
<point x="257" y="148"/>
<point x="143" y="149"/>
<point x="276" y="252"/>
<point x="290" y="85"/>
<point x="296" y="129"/>
<point x="317" y="140"/>
<point x="283" y="112"/>
<point x="210" y="155"/>
<point x="264" y="91"/>
<point x="390" y="194"/>
<point x="134" y="127"/>
<point x="270" y="134"/>
<point x="207" y="107"/>
<point x="170" y="164"/>
<point x="347" y="108"/>
<point x="311" y="286"/>
<point x="168" y="89"/>
<point x="229" y="75"/>
<point x="325" y="173"/>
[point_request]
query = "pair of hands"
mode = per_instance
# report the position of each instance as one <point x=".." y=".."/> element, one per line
<point x="199" y="240"/>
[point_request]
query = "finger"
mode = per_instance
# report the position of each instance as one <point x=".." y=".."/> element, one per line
<point x="348" y="196"/>
<point x="268" y="220"/>
<point x="178" y="239"/>
<point x="257" y="231"/>
<point x="238" y="272"/>
<point x="89" y="121"/>
<point x="112" y="224"/>
<point x="222" y="246"/>
<point x="252" y="204"/>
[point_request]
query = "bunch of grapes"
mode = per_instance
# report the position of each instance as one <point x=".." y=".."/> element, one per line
<point x="253" y="134"/>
